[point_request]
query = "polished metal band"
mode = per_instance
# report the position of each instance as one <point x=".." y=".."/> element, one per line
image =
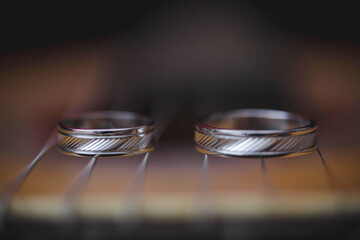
<point x="255" y="133"/>
<point x="107" y="133"/>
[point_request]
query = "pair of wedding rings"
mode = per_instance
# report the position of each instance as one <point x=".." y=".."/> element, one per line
<point x="238" y="133"/>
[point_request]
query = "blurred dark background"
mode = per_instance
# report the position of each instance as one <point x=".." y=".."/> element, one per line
<point x="179" y="60"/>
<point x="28" y="26"/>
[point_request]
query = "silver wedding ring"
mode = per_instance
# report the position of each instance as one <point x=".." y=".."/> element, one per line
<point x="108" y="133"/>
<point x="255" y="133"/>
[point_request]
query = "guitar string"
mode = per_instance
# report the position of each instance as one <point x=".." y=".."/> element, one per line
<point x="75" y="191"/>
<point x="328" y="174"/>
<point x="14" y="185"/>
<point x="78" y="185"/>
<point x="204" y="204"/>
<point x="266" y="180"/>
<point x="133" y="198"/>
<point x="268" y="185"/>
<point x="163" y="113"/>
<point x="338" y="204"/>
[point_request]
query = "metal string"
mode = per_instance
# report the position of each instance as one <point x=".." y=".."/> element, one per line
<point x="163" y="112"/>
<point x="133" y="198"/>
<point x="78" y="186"/>
<point x="331" y="180"/>
<point x="12" y="188"/>
<point x="72" y="198"/>
<point x="267" y="186"/>
<point x="326" y="168"/>
<point x="329" y="174"/>
<point x="205" y="205"/>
